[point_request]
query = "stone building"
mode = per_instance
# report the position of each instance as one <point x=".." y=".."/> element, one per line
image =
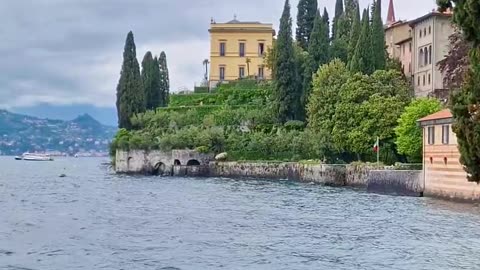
<point x="430" y="35"/>
<point x="420" y="44"/>
<point x="232" y="43"/>
<point x="443" y="174"/>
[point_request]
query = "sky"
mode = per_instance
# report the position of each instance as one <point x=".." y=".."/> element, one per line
<point x="69" y="52"/>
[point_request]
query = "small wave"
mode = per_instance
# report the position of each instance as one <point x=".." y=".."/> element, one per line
<point x="13" y="267"/>
<point x="6" y="252"/>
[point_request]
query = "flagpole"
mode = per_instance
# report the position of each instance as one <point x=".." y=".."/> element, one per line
<point x="378" y="151"/>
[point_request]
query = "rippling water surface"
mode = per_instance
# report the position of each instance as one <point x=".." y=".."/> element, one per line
<point x="93" y="219"/>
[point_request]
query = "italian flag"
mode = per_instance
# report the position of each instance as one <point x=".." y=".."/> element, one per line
<point x="376" y="146"/>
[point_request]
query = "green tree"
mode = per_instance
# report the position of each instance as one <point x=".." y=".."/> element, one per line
<point x="305" y="21"/>
<point x="326" y="20"/>
<point x="286" y="94"/>
<point x="327" y="82"/>
<point x="341" y="33"/>
<point x="164" y="79"/>
<point x="318" y="49"/>
<point x="409" y="134"/>
<point x="378" y="37"/>
<point x="130" y="95"/>
<point x="369" y="107"/>
<point x="465" y="104"/>
<point x="362" y="60"/>
<point x="338" y="15"/>
<point x="354" y="34"/>
<point x="150" y="79"/>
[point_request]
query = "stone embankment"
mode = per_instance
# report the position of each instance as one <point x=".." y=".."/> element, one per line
<point x="192" y="163"/>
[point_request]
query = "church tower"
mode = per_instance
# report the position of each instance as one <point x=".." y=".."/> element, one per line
<point x="391" y="14"/>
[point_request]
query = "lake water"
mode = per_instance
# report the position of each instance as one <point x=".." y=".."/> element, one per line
<point x="93" y="219"/>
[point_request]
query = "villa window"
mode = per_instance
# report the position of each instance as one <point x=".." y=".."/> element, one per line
<point x="403" y="47"/>
<point x="260" y="72"/>
<point x="429" y="30"/>
<point x="420" y="58"/>
<point x="425" y="56"/>
<point x="418" y="80"/>
<point x="222" y="73"/>
<point x="430" y="54"/>
<point x="222" y="48"/>
<point x="425" y="32"/>
<point x="241" y="72"/>
<point x="445" y="134"/>
<point x="420" y="33"/>
<point x="261" y="49"/>
<point x="242" y="49"/>
<point x="431" y="135"/>
<point x="423" y="80"/>
<point x="429" y="79"/>
<point x="410" y="47"/>
<point x="409" y="67"/>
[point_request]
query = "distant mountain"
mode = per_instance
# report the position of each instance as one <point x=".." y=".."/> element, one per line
<point x="21" y="133"/>
<point x="106" y="116"/>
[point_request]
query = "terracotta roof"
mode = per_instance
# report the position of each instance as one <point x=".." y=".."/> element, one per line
<point x="444" y="114"/>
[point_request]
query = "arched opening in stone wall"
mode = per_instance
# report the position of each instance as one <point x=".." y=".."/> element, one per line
<point x="193" y="162"/>
<point x="129" y="159"/>
<point x="159" y="169"/>
<point x="177" y="162"/>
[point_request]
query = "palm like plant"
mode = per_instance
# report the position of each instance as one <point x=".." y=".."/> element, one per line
<point x="205" y="63"/>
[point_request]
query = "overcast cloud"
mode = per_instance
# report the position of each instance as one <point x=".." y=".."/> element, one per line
<point x="69" y="51"/>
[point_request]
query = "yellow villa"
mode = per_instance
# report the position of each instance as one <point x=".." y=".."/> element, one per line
<point x="443" y="174"/>
<point x="237" y="50"/>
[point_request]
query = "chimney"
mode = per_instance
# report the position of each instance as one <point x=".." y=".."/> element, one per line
<point x="391" y="14"/>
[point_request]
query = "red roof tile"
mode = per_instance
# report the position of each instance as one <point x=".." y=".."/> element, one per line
<point x="444" y="114"/>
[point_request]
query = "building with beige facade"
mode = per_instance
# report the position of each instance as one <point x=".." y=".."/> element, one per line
<point x="443" y="173"/>
<point x="430" y="35"/>
<point x="396" y="34"/>
<point x="405" y="56"/>
<point x="420" y="44"/>
<point x="237" y="50"/>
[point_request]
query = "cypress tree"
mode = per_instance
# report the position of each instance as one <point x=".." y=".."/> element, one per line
<point x="164" y="80"/>
<point x="317" y="53"/>
<point x="465" y="104"/>
<point x="338" y="16"/>
<point x="362" y="60"/>
<point x="378" y="37"/>
<point x="354" y="34"/>
<point x="287" y="99"/>
<point x="150" y="82"/>
<point x="338" y="8"/>
<point x="305" y="19"/>
<point x="130" y="95"/>
<point x="326" y="20"/>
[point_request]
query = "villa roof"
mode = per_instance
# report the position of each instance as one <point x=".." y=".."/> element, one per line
<point x="395" y="24"/>
<point x="444" y="114"/>
<point x="434" y="13"/>
<point x="235" y="21"/>
<point x="403" y="41"/>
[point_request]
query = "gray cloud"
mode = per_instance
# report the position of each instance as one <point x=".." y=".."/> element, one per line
<point x="69" y="51"/>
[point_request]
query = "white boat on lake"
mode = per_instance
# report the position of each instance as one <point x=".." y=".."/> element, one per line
<point x="34" y="157"/>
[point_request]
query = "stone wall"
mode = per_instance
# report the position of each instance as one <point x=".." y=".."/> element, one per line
<point x="157" y="162"/>
<point x="357" y="174"/>
<point x="321" y="173"/>
<point x="408" y="183"/>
